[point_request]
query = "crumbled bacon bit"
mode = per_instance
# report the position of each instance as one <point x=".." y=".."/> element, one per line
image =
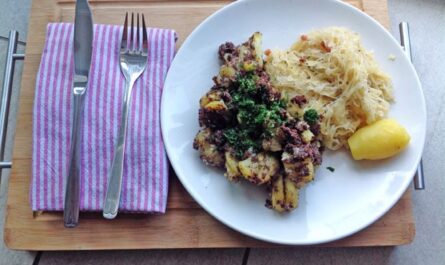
<point x="226" y="48"/>
<point x="291" y="135"/>
<point x="263" y="80"/>
<point x="267" y="52"/>
<point x="226" y="96"/>
<point x="302" y="126"/>
<point x="325" y="47"/>
<point x="302" y="60"/>
<point x="218" y="138"/>
<point x="303" y="170"/>
<point x="315" y="128"/>
<point x="300" y="100"/>
<point x="303" y="37"/>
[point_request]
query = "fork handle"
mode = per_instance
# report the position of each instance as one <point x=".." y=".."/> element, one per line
<point x="113" y="195"/>
<point x="72" y="189"/>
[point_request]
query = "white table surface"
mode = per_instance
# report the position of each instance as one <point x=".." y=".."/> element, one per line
<point x="427" y="25"/>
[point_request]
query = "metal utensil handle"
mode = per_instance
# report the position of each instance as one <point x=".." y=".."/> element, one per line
<point x="419" y="180"/>
<point x="113" y="195"/>
<point x="72" y="194"/>
<point x="11" y="57"/>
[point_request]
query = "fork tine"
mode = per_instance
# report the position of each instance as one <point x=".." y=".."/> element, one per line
<point x="138" y="38"/>
<point x="131" y="32"/>
<point x="144" y="36"/>
<point x="124" y="34"/>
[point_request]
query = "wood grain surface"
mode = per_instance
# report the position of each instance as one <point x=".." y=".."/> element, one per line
<point x="186" y="224"/>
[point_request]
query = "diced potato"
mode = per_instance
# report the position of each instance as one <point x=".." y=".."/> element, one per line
<point x="272" y="144"/>
<point x="291" y="194"/>
<point x="277" y="197"/>
<point x="209" y="153"/>
<point x="243" y="51"/>
<point x="307" y="136"/>
<point x="284" y="194"/>
<point x="382" y="139"/>
<point x="294" y="170"/>
<point x="259" y="169"/>
<point x="227" y="71"/>
<point x="214" y="115"/>
<point x="231" y="164"/>
<point x="256" y="39"/>
<point x="252" y="48"/>
<point x="216" y="106"/>
<point x="249" y="66"/>
<point x="310" y="174"/>
<point x="209" y="97"/>
<point x="291" y="169"/>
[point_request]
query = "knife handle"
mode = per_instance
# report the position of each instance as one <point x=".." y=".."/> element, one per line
<point x="72" y="192"/>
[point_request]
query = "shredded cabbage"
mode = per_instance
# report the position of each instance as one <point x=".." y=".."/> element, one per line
<point x="339" y="78"/>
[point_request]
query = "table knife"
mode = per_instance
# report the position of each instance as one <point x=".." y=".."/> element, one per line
<point x="83" y="45"/>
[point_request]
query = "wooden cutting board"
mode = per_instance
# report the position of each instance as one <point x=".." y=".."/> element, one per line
<point x="185" y="225"/>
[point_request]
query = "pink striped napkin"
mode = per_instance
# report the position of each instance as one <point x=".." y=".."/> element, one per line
<point x="145" y="179"/>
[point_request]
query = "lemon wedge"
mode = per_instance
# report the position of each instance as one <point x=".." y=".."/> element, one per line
<point x="380" y="140"/>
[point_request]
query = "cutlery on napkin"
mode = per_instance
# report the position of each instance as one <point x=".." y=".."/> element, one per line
<point x="133" y="56"/>
<point x="145" y="177"/>
<point x="83" y="44"/>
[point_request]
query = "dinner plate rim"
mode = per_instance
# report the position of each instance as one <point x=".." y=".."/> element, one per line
<point x="403" y="188"/>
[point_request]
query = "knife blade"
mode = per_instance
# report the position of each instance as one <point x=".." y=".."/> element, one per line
<point x="83" y="46"/>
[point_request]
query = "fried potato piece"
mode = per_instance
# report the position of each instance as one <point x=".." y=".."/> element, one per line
<point x="259" y="168"/>
<point x="213" y="95"/>
<point x="307" y="136"/>
<point x="310" y="171"/>
<point x="232" y="171"/>
<point x="291" y="194"/>
<point x="209" y="153"/>
<point x="215" y="106"/>
<point x="251" y="53"/>
<point x="277" y="196"/>
<point x="227" y="71"/>
<point x="284" y="194"/>
<point x="272" y="144"/>
<point x="214" y="115"/>
<point x="256" y="43"/>
<point x="301" y="172"/>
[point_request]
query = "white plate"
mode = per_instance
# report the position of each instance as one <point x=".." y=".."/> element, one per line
<point x="336" y="204"/>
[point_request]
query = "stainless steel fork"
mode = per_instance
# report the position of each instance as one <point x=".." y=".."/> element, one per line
<point x="133" y="57"/>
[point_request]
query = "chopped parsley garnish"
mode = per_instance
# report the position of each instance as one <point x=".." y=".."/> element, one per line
<point x="330" y="169"/>
<point x="247" y="84"/>
<point x="311" y="116"/>
<point x="257" y="115"/>
<point x="241" y="141"/>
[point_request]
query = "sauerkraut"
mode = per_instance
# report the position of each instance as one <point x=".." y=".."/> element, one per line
<point x="339" y="78"/>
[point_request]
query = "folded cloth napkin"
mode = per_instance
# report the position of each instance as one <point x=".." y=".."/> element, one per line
<point x="145" y="178"/>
